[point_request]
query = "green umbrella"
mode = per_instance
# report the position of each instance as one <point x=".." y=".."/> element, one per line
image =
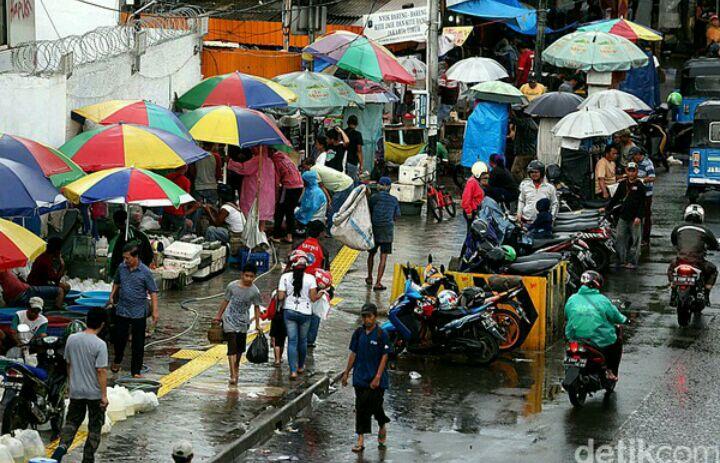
<point x="498" y="92"/>
<point x="594" y="51"/>
<point x="318" y="94"/>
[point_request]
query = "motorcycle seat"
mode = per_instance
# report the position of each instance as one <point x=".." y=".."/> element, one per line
<point x="39" y="373"/>
<point x="581" y="214"/>
<point x="541" y="243"/>
<point x="576" y="226"/>
<point x="532" y="268"/>
<point x="443" y="317"/>
<point x="595" y="203"/>
<point x="538" y="256"/>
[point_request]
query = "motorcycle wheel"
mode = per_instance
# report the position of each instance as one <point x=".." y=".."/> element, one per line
<point x="16" y="415"/>
<point x="486" y="348"/>
<point x="576" y="395"/>
<point x="397" y="348"/>
<point x="683" y="316"/>
<point x="450" y="207"/>
<point x="433" y="207"/>
<point x="600" y="255"/>
<point x="509" y="325"/>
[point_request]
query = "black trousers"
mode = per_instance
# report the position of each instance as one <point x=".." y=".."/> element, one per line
<point x="75" y="416"/>
<point x="369" y="403"/>
<point x="613" y="355"/>
<point x="123" y="327"/>
<point x="285" y="210"/>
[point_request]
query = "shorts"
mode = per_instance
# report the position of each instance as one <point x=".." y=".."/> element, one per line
<point x="278" y="331"/>
<point x="385" y="248"/>
<point x="236" y="343"/>
<point x="46" y="293"/>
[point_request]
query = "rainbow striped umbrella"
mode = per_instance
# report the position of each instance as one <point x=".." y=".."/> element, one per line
<point x="17" y="245"/>
<point x="237" y="89"/>
<point x="132" y="112"/>
<point x="126" y="185"/>
<point x="233" y="126"/>
<point x="128" y="145"/>
<point x="57" y="167"/>
<point x="624" y="28"/>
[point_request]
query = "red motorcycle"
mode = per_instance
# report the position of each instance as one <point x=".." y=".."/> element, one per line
<point x="687" y="292"/>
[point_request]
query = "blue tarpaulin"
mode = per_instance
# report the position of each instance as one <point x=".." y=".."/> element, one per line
<point x="644" y="83"/>
<point x="485" y="132"/>
<point x="518" y="17"/>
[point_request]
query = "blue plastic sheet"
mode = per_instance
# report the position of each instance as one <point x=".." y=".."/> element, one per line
<point x="644" y="83"/>
<point x="517" y="16"/>
<point x="485" y="133"/>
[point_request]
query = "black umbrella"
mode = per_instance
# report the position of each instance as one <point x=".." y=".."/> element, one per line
<point x="554" y="104"/>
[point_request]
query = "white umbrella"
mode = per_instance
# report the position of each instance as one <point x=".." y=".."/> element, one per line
<point x="472" y="70"/>
<point x="588" y="123"/>
<point x="415" y="67"/>
<point x="615" y="99"/>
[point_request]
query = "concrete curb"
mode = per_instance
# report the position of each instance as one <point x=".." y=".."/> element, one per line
<point x="266" y="423"/>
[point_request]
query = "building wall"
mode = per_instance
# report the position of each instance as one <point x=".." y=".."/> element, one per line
<point x="263" y="63"/>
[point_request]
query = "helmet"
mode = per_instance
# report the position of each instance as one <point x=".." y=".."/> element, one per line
<point x="510" y="254"/>
<point x="472" y="296"/>
<point x="536" y="166"/>
<point x="73" y="327"/>
<point x="592" y="278"/>
<point x="694" y="213"/>
<point x="298" y="259"/>
<point x="478" y="228"/>
<point x="447" y="299"/>
<point x="553" y="173"/>
<point x="432" y="275"/>
<point x="674" y="99"/>
<point x="478" y="169"/>
<point x="323" y="278"/>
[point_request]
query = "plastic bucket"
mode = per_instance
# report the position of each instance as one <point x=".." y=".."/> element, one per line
<point x="8" y="313"/>
<point x="72" y="295"/>
<point x="141" y="384"/>
<point x="94" y="302"/>
<point x="96" y="295"/>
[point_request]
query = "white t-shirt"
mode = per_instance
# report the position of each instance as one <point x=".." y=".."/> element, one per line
<point x="321" y="158"/>
<point x="301" y="304"/>
<point x="235" y="218"/>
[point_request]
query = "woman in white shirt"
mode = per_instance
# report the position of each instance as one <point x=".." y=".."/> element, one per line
<point x="297" y="290"/>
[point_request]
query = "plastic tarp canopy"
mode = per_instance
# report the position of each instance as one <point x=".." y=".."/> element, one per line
<point x="370" y="125"/>
<point x="485" y="133"/>
<point x="644" y="83"/>
<point x="518" y="17"/>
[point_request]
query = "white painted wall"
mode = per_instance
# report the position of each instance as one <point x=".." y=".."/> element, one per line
<point x="39" y="107"/>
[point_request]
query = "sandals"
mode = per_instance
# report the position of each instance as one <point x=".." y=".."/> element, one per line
<point x="382" y="437"/>
<point x="115" y="368"/>
<point x="379" y="288"/>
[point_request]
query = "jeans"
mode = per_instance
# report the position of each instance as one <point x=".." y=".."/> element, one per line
<point x="627" y="245"/>
<point x="297" y="326"/>
<point x="647" y="220"/>
<point x="352" y="171"/>
<point x="47" y="293"/>
<point x="123" y="326"/>
<point x="217" y="234"/>
<point x="75" y="417"/>
<point x="313" y="331"/>
<point x="285" y="210"/>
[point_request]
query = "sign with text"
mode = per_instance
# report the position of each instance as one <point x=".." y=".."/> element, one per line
<point x="409" y="25"/>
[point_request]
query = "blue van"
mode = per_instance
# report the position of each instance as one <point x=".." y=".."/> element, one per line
<point x="704" y="162"/>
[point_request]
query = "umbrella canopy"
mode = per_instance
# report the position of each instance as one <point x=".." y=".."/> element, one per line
<point x="554" y="104"/>
<point x="373" y="92"/>
<point x="415" y="67"/>
<point x="17" y="245"/>
<point x="127" y="185"/>
<point x="121" y="145"/>
<point x="594" y="51"/>
<point x="52" y="163"/>
<point x="588" y="123"/>
<point x="233" y="126"/>
<point x="359" y="55"/>
<point x="132" y="112"/>
<point x="24" y="191"/>
<point x="472" y="70"/>
<point x="624" y="28"/>
<point x="615" y="99"/>
<point x="237" y="89"/>
<point x="318" y="94"/>
<point x="499" y="92"/>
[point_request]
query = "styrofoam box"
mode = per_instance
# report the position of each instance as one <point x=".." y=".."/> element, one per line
<point x="202" y="273"/>
<point x="182" y="263"/>
<point x="407" y="193"/>
<point x="180" y="250"/>
<point x="413" y="175"/>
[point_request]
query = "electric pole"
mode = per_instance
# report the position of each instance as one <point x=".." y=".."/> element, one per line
<point x="541" y="20"/>
<point x="286" y="23"/>
<point x="432" y="75"/>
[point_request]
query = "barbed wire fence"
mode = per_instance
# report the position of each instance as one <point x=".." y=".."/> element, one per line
<point x="155" y="26"/>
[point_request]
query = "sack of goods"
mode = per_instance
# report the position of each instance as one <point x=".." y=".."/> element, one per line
<point x="259" y="350"/>
<point x="351" y="225"/>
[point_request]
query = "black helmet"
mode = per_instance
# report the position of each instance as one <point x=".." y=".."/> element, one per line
<point x="592" y="278"/>
<point x="472" y="296"/>
<point x="479" y="228"/>
<point x="553" y="173"/>
<point x="536" y="166"/>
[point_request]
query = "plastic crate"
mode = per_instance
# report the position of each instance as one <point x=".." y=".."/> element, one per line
<point x="261" y="260"/>
<point x="183" y="251"/>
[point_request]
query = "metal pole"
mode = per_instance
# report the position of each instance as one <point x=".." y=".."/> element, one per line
<point x="311" y="38"/>
<point x="540" y="39"/>
<point x="432" y="75"/>
<point x="286" y="23"/>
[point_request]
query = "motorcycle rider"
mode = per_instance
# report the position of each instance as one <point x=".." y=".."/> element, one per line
<point x="532" y="190"/>
<point x="592" y="316"/>
<point x="692" y="240"/>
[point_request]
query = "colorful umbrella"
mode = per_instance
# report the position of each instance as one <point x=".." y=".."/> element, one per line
<point x="17" y="245"/>
<point x="52" y="163"/>
<point x="132" y="112"/>
<point x="415" y="67"/>
<point x="615" y="99"/>
<point x="24" y="191"/>
<point x="233" y="126"/>
<point x="554" y="104"/>
<point x="127" y="185"/>
<point x="360" y="55"/>
<point x="237" y="89"/>
<point x="498" y="92"/>
<point x="373" y="92"/>
<point x="121" y="145"/>
<point x="624" y="28"/>
<point x="596" y="51"/>
<point x="318" y="94"/>
<point x="473" y="70"/>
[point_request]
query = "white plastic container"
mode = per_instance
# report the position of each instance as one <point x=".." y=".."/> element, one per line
<point x="32" y="443"/>
<point x="185" y="251"/>
<point x="407" y="193"/>
<point x="5" y="455"/>
<point x="413" y="175"/>
<point x="17" y="451"/>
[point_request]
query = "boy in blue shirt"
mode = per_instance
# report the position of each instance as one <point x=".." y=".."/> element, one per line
<point x="369" y="349"/>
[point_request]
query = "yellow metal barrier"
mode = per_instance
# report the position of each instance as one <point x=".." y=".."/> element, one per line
<point x="547" y="294"/>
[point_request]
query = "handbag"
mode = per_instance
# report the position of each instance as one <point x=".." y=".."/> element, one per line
<point x="215" y="333"/>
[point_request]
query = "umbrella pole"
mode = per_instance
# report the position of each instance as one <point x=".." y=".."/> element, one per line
<point x="127" y="222"/>
<point x="308" y="121"/>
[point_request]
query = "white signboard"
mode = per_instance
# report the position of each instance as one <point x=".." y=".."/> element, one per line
<point x="397" y="26"/>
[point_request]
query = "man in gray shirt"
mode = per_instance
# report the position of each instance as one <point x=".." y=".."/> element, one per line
<point x="87" y="358"/>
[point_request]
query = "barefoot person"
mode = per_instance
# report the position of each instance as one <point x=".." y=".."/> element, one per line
<point x="384" y="211"/>
<point x="369" y="349"/>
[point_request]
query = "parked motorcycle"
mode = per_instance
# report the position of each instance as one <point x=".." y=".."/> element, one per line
<point x="687" y="292"/>
<point x="35" y="395"/>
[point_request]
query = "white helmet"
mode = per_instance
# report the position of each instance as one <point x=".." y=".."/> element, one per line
<point x="478" y="169"/>
<point x="694" y="213"/>
<point x="447" y="300"/>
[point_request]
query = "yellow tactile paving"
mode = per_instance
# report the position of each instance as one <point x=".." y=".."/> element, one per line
<point x="187" y="354"/>
<point x="342" y="262"/>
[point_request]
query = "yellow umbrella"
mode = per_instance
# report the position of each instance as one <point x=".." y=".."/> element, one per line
<point x="17" y="245"/>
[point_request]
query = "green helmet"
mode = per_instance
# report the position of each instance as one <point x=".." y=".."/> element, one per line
<point x="674" y="99"/>
<point x="510" y="254"/>
<point x="76" y="326"/>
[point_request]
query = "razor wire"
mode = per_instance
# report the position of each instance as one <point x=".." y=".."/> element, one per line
<point x="152" y="28"/>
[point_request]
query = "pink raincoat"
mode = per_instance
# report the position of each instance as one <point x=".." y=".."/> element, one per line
<point x="260" y="162"/>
